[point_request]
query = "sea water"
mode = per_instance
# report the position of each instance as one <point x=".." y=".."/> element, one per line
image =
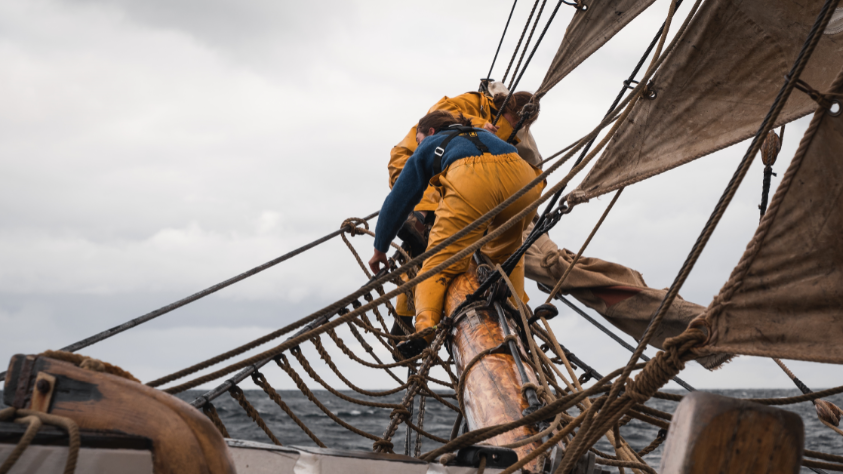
<point x="439" y="420"/>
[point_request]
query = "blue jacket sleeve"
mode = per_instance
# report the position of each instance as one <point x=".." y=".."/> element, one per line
<point x="406" y="193"/>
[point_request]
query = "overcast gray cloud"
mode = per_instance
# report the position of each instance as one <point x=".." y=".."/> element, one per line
<point x="149" y="149"/>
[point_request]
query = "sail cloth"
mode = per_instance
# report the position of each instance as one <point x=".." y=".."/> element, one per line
<point x="588" y="31"/>
<point x="785" y="297"/>
<point x="617" y="292"/>
<point x="715" y="89"/>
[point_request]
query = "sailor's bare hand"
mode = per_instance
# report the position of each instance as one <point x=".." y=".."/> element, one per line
<point x="376" y="260"/>
<point x="488" y="126"/>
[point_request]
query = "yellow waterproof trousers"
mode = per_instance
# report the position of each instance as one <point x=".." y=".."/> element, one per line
<point x="471" y="187"/>
<point x="475" y="106"/>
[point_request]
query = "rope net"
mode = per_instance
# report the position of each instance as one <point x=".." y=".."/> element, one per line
<point x="569" y="413"/>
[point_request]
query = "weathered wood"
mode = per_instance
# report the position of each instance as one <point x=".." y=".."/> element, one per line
<point x="492" y="392"/>
<point x="183" y="440"/>
<point x="711" y="433"/>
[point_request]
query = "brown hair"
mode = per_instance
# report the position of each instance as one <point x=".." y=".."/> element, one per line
<point x="439" y="120"/>
<point x="515" y="104"/>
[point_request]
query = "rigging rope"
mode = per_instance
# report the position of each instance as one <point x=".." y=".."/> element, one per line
<point x="196" y="296"/>
<point x="731" y="188"/>
<point x="614" y="336"/>
<point x="677" y="350"/>
<point x="527" y="44"/>
<point x="503" y="35"/>
<point x="530" y="58"/>
<point x="521" y="39"/>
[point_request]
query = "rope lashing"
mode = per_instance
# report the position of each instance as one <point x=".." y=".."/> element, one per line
<point x="35" y="419"/>
<point x="825" y="100"/>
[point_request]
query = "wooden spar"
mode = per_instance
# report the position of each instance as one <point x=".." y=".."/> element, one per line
<point x="492" y="393"/>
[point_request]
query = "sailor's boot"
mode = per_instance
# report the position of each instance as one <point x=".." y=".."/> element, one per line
<point x="414" y="347"/>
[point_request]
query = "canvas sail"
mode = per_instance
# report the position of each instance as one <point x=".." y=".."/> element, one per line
<point x="785" y="297"/>
<point x="715" y="88"/>
<point x="588" y="31"/>
<point x="617" y="292"/>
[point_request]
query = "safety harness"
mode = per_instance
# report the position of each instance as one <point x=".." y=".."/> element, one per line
<point x="458" y="131"/>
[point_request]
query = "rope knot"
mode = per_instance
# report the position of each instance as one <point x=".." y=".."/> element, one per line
<point x="530" y="109"/>
<point x="828" y="412"/>
<point x="351" y="224"/>
<point x="383" y="445"/>
<point x="823" y="100"/>
<point x="401" y="413"/>
<point x="664" y="366"/>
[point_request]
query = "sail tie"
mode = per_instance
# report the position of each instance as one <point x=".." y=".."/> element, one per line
<point x="825" y="100"/>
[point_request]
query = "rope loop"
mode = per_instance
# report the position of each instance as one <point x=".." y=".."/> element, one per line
<point x="35" y="419"/>
<point x="383" y="445"/>
<point x="824" y="100"/>
<point x="351" y="224"/>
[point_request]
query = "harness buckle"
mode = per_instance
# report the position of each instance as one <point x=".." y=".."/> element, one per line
<point x="439" y="151"/>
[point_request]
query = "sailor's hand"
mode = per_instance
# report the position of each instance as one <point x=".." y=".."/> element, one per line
<point x="376" y="260"/>
<point x="488" y="126"/>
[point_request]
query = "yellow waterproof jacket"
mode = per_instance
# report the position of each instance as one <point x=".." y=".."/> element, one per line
<point x="477" y="107"/>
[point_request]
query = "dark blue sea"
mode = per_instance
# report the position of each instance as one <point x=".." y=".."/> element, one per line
<point x="439" y="419"/>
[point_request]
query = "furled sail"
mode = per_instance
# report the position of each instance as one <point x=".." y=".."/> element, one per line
<point x="785" y="297"/>
<point x="715" y="88"/>
<point x="588" y="31"/>
<point x="617" y="292"/>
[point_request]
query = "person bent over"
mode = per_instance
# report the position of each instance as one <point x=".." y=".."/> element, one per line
<point x="474" y="172"/>
<point x="480" y="108"/>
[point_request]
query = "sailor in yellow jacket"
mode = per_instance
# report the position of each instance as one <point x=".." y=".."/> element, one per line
<point x="480" y="109"/>
<point x="474" y="171"/>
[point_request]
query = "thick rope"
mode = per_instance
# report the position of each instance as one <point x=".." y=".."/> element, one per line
<point x="89" y="363"/>
<point x="25" y="440"/>
<point x="559" y="283"/>
<point x="415" y="261"/>
<point x="211" y="412"/>
<point x="261" y="382"/>
<point x="282" y="362"/>
<point x="720" y="208"/>
<point x="315" y="376"/>
<point x="655" y="444"/>
<point x="237" y="394"/>
<point x="327" y="358"/>
<point x="35" y="419"/>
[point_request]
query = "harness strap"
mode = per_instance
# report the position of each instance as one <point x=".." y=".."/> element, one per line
<point x="465" y="132"/>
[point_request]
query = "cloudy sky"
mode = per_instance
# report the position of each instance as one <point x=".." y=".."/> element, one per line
<point x="149" y="149"/>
